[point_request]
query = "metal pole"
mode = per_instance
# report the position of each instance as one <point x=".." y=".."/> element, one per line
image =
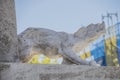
<point x="117" y="17"/>
<point x="108" y="19"/>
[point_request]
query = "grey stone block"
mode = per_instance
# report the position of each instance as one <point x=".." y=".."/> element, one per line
<point x="17" y="71"/>
<point x="8" y="32"/>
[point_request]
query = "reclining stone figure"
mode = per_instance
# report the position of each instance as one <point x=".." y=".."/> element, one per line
<point x="53" y="43"/>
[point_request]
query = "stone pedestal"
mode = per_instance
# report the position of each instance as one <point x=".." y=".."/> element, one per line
<point x="8" y="32"/>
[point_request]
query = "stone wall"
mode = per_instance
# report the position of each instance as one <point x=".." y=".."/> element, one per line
<point x="57" y="72"/>
<point x="8" y="33"/>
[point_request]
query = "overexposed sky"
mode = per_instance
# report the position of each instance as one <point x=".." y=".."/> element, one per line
<point x="62" y="15"/>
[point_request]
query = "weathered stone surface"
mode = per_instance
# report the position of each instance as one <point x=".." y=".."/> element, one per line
<point x="58" y="72"/>
<point x="52" y="43"/>
<point x="86" y="35"/>
<point x="90" y="31"/>
<point x="8" y="34"/>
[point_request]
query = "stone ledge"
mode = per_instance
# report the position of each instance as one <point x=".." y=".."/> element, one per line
<point x="19" y="71"/>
